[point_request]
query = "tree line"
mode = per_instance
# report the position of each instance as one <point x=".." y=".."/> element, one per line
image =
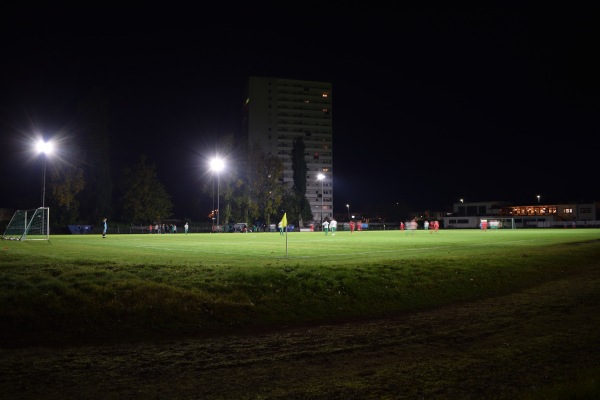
<point x="86" y="192"/>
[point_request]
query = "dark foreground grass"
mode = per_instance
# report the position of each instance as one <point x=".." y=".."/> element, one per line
<point x="479" y="310"/>
<point x="128" y="287"/>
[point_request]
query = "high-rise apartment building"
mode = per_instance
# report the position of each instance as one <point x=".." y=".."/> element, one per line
<point x="276" y="111"/>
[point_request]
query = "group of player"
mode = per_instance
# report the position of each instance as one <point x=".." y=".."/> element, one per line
<point x="355" y="225"/>
<point x="162" y="228"/>
<point x="412" y="226"/>
<point x="434" y="225"/>
<point x="330" y="226"/>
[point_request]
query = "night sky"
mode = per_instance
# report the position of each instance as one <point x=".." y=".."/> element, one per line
<point x="428" y="106"/>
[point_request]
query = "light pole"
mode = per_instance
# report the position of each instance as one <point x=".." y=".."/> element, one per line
<point x="348" y="207"/>
<point x="538" y="197"/>
<point x="46" y="148"/>
<point x="217" y="165"/>
<point x="321" y="177"/>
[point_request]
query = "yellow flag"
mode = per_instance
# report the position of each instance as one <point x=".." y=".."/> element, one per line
<point x="284" y="220"/>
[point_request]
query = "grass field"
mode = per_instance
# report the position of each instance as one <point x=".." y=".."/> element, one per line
<point x="75" y="286"/>
<point x="297" y="248"/>
<point x="82" y="289"/>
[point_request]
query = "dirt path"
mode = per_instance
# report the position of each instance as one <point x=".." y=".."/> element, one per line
<point x="493" y="349"/>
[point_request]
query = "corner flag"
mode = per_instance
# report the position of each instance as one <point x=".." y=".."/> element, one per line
<point x="284" y="220"/>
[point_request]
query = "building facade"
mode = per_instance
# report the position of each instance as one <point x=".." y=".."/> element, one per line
<point x="276" y="111"/>
<point x="470" y="215"/>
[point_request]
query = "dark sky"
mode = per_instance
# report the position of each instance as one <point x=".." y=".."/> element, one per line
<point x="428" y="106"/>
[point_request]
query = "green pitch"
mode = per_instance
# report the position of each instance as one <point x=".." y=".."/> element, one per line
<point x="297" y="248"/>
<point x="84" y="287"/>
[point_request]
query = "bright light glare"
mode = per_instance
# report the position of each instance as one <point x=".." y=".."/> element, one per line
<point x="217" y="164"/>
<point x="320" y="177"/>
<point x="44" y="147"/>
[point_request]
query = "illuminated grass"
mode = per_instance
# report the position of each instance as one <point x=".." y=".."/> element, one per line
<point x="127" y="287"/>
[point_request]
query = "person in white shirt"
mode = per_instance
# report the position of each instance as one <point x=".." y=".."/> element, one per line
<point x="333" y="226"/>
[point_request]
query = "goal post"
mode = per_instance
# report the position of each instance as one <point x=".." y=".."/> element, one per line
<point x="29" y="225"/>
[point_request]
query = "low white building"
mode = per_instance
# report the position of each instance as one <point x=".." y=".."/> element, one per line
<point x="470" y="215"/>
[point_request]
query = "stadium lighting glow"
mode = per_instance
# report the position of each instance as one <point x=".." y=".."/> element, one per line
<point x="46" y="148"/>
<point x="321" y="177"/>
<point x="217" y="165"/>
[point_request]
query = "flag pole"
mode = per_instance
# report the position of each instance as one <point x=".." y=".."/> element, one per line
<point x="286" y="242"/>
<point x="284" y="224"/>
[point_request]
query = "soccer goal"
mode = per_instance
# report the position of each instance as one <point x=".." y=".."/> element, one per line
<point x="502" y="223"/>
<point x="29" y="225"/>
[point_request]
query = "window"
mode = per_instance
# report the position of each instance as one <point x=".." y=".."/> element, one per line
<point x="567" y="211"/>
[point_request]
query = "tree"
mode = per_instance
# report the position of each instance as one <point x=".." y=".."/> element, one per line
<point x="145" y="199"/>
<point x="66" y="184"/>
<point x="96" y="198"/>
<point x="300" y="169"/>
<point x="264" y="189"/>
<point x="290" y="204"/>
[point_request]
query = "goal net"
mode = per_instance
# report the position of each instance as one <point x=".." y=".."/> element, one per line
<point x="29" y="225"/>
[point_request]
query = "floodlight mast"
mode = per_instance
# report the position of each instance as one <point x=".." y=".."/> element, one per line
<point x="46" y="148"/>
<point x="217" y="165"/>
<point x="212" y="211"/>
<point x="44" y="182"/>
<point x="321" y="177"/>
